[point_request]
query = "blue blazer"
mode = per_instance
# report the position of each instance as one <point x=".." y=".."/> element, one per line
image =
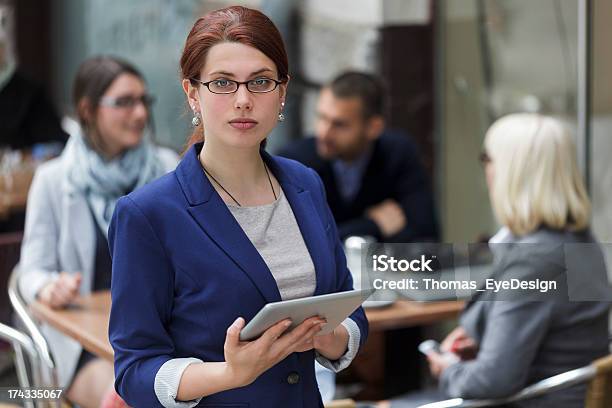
<point x="184" y="270"/>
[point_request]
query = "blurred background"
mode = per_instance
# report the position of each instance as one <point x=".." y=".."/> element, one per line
<point x="452" y="68"/>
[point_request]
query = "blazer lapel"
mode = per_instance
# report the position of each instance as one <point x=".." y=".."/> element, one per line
<point x="210" y="212"/>
<point x="308" y="220"/>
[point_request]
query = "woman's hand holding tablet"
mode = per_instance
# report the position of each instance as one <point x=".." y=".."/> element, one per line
<point x="247" y="360"/>
<point x="335" y="307"/>
<point x="333" y="345"/>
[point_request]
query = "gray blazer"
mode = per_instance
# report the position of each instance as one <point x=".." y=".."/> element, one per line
<point x="523" y="340"/>
<point x="60" y="236"/>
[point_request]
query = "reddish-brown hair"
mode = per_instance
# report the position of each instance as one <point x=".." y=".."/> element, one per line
<point x="231" y="24"/>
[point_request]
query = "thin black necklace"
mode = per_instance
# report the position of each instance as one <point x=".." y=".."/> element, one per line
<point x="227" y="192"/>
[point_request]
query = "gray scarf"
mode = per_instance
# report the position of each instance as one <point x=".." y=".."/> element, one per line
<point x="104" y="182"/>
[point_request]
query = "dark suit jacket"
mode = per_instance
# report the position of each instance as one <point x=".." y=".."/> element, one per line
<point x="394" y="171"/>
<point x="184" y="270"/>
<point x="26" y="115"/>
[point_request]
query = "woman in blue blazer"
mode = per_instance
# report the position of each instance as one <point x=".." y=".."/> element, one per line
<point x="203" y="249"/>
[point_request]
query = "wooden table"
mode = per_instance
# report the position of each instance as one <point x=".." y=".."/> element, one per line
<point x="87" y="320"/>
<point x="371" y="368"/>
<point x="405" y="313"/>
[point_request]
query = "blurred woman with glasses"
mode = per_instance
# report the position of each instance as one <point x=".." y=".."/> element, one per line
<point x="70" y="204"/>
<point x="232" y="229"/>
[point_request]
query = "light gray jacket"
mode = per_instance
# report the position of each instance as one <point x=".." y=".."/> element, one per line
<point x="60" y="236"/>
<point x="524" y="340"/>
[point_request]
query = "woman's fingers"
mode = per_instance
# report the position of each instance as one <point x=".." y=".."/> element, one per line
<point x="232" y="338"/>
<point x="70" y="282"/>
<point x="308" y="342"/>
<point x="54" y="299"/>
<point x="61" y="298"/>
<point x="456" y="333"/>
<point x="45" y="295"/>
<point x="273" y="333"/>
<point x="466" y="349"/>
<point x="450" y="342"/>
<point x="78" y="277"/>
<point x="288" y="343"/>
<point x="61" y="291"/>
<point x="72" y="285"/>
<point x="66" y="288"/>
<point x="299" y="332"/>
<point x="58" y="296"/>
<point x="463" y="344"/>
<point x="313" y="331"/>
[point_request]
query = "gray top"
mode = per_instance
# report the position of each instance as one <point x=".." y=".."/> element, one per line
<point x="522" y="341"/>
<point x="274" y="231"/>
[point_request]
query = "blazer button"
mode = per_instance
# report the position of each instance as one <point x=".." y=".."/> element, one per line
<point x="293" y="378"/>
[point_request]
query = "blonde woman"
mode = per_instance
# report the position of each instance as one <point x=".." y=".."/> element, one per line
<point x="539" y="198"/>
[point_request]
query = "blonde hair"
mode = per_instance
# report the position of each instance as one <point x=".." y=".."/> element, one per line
<point x="536" y="181"/>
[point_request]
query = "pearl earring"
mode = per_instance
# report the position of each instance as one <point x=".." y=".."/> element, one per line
<point x="281" y="116"/>
<point x="197" y="120"/>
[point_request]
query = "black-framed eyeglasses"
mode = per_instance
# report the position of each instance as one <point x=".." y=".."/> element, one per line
<point x="229" y="86"/>
<point x="484" y="158"/>
<point x="128" y="101"/>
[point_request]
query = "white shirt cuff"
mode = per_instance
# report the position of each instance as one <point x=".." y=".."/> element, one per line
<point x="353" y="347"/>
<point x="167" y="382"/>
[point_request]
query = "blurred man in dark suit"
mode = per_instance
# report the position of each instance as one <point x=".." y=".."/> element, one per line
<point x="375" y="182"/>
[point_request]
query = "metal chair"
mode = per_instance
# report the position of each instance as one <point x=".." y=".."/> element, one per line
<point x="44" y="371"/>
<point x="30" y="372"/>
<point x="21" y="342"/>
<point x="598" y="375"/>
<point x="10" y="249"/>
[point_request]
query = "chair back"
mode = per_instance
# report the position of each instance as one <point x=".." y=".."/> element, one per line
<point x="599" y="391"/>
<point x="10" y="247"/>
<point x="22" y="343"/>
<point x="344" y="403"/>
<point x="27" y="359"/>
<point x="48" y="374"/>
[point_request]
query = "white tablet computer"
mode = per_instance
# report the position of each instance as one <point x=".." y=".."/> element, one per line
<point x="335" y="307"/>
